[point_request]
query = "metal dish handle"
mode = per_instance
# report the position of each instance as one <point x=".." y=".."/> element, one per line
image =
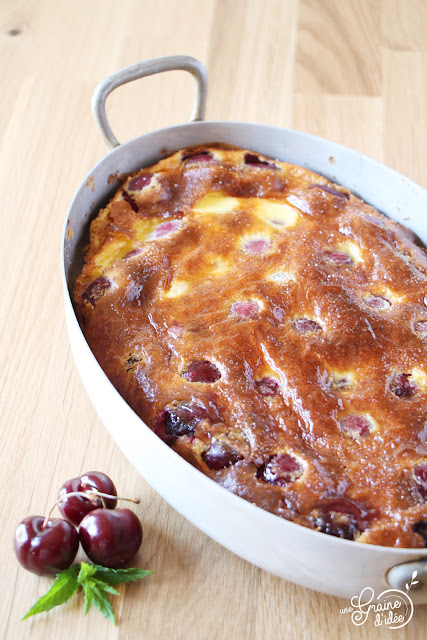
<point x="401" y="575"/>
<point x="141" y="70"/>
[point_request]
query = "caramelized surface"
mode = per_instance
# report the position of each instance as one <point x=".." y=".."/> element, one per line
<point x="272" y="328"/>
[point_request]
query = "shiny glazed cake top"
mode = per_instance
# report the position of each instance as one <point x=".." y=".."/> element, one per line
<point x="272" y="329"/>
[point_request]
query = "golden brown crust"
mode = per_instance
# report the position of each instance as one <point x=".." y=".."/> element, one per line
<point x="302" y="310"/>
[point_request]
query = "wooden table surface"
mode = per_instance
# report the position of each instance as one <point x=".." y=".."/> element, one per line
<point x="353" y="71"/>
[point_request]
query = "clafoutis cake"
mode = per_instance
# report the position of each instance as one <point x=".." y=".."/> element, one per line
<point x="271" y="328"/>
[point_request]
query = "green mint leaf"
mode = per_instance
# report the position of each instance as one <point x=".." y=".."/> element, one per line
<point x="95" y="592"/>
<point x="101" y="601"/>
<point x="103" y="586"/>
<point x="87" y="592"/>
<point x="117" y="576"/>
<point x="64" y="586"/>
<point x="96" y="581"/>
<point x="86" y="571"/>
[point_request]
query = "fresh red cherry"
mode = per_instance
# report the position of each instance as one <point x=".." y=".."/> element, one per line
<point x="75" y="508"/>
<point x="47" y="548"/>
<point x="110" y="538"/>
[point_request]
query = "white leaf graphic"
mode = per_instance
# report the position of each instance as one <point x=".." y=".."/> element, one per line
<point x="407" y="586"/>
<point x="415" y="582"/>
<point x="414" y="575"/>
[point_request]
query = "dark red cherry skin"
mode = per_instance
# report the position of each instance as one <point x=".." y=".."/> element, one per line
<point x="305" y="325"/>
<point x="421" y="528"/>
<point x="75" y="508"/>
<point x="257" y="247"/>
<point x="202" y="371"/>
<point x="177" y="420"/>
<point x="220" y="455"/>
<point x="343" y="527"/>
<point x="340" y="518"/>
<point x="339" y="384"/>
<point x="96" y="290"/>
<point x="331" y="190"/>
<point x="201" y="156"/>
<point x="337" y="258"/>
<point x="280" y="469"/>
<point x="45" y="551"/>
<point x="254" y="160"/>
<point x="130" y="200"/>
<point x="267" y="386"/>
<point x="133" y="253"/>
<point x="420" y="476"/>
<point x="245" y="309"/>
<point x="378" y="303"/>
<point x="111" y="538"/>
<point x="138" y="183"/>
<point x="402" y="386"/>
<point x="354" y="425"/>
<point x="421" y="327"/>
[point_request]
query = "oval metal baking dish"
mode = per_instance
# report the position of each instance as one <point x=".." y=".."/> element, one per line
<point x="306" y="557"/>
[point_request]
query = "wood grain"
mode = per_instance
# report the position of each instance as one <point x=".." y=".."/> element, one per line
<point x="338" y="47"/>
<point x="353" y="71"/>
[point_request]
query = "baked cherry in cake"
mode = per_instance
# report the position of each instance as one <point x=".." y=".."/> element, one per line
<point x="271" y="328"/>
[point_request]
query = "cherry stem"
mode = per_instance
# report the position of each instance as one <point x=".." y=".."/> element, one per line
<point x="93" y="493"/>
